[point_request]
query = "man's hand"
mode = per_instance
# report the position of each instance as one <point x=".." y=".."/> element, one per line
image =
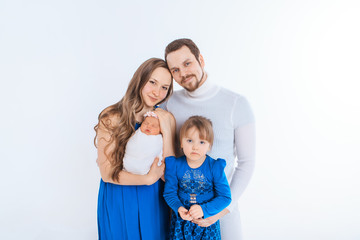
<point x="210" y="220"/>
<point x="196" y="211"/>
<point x="205" y="222"/>
<point x="184" y="214"/>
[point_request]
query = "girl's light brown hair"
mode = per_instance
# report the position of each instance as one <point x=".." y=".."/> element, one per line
<point x="119" y="118"/>
<point x="202" y="124"/>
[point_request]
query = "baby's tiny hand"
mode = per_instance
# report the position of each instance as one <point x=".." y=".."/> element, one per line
<point x="184" y="214"/>
<point x="196" y="211"/>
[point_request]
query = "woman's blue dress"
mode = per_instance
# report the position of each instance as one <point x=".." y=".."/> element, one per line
<point x="132" y="212"/>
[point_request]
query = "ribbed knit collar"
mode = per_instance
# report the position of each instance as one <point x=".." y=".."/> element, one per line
<point x="207" y="90"/>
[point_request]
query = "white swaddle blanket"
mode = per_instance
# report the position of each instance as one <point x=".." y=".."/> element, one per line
<point x="140" y="152"/>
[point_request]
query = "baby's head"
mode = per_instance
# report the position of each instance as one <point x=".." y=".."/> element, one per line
<point x="151" y="124"/>
<point x="197" y="128"/>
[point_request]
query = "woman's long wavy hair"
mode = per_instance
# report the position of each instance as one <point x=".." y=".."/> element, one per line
<point x="124" y="113"/>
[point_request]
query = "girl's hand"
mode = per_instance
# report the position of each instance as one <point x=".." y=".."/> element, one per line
<point x="156" y="171"/>
<point x="184" y="214"/>
<point x="196" y="211"/>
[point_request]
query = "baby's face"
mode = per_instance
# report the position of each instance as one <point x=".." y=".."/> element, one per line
<point x="150" y="126"/>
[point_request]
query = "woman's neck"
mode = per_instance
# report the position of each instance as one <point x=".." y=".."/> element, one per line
<point x="139" y="117"/>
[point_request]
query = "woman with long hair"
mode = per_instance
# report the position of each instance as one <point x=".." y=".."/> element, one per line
<point x="131" y="206"/>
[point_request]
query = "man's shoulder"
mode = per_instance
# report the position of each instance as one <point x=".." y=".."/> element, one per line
<point x="175" y="96"/>
<point x="229" y="95"/>
<point x="223" y="94"/>
<point x="178" y="93"/>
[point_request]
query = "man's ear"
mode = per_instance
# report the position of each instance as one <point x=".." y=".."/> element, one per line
<point x="201" y="60"/>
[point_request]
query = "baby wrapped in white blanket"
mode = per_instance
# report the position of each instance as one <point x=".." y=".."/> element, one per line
<point x="144" y="146"/>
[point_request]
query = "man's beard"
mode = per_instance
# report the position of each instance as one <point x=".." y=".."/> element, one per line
<point x="196" y="84"/>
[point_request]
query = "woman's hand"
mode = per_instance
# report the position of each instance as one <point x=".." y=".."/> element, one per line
<point x="167" y="126"/>
<point x="156" y="171"/>
<point x="167" y="122"/>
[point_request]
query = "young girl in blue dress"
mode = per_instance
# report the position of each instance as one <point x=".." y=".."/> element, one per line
<point x="131" y="206"/>
<point x="195" y="184"/>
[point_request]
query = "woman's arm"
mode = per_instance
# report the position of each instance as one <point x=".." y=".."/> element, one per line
<point x="124" y="178"/>
<point x="167" y="125"/>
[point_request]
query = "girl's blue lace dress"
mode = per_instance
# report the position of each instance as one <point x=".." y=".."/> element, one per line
<point x="206" y="186"/>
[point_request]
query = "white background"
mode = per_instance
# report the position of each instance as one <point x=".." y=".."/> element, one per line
<point x="297" y="62"/>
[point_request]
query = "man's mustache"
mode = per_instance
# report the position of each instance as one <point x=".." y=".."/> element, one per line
<point x="187" y="76"/>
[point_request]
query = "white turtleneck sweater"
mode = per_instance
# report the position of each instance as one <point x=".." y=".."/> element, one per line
<point x="234" y="129"/>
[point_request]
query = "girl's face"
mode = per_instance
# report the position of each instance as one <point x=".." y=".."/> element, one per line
<point x="157" y="87"/>
<point x="194" y="148"/>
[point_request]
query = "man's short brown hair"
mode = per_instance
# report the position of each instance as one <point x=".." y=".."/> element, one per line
<point x="179" y="43"/>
